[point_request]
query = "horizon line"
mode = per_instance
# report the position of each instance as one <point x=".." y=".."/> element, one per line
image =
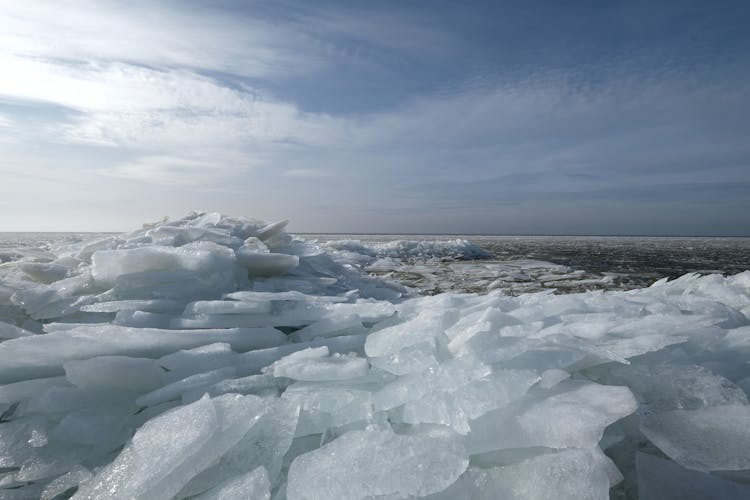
<point x="524" y="235"/>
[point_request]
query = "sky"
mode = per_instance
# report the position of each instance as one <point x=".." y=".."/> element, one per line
<point x="499" y="117"/>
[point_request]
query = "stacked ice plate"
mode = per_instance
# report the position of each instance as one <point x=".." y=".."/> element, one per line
<point x="219" y="358"/>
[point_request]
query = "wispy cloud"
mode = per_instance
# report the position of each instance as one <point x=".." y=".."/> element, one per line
<point x="166" y="170"/>
<point x="153" y="33"/>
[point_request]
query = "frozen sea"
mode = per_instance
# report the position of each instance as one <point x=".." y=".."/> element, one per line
<point x="219" y="357"/>
<point x="515" y="264"/>
<point x="520" y="264"/>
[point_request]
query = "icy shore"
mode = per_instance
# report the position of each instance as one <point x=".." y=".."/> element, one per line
<point x="218" y="358"/>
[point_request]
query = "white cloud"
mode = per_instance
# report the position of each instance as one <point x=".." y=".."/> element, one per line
<point x="125" y="105"/>
<point x="150" y="33"/>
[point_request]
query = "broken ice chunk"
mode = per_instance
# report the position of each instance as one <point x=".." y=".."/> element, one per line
<point x="61" y="399"/>
<point x="176" y="389"/>
<point x="449" y="376"/>
<point x="660" y="479"/>
<point x="18" y="391"/>
<point x="152" y="305"/>
<point x="552" y="377"/>
<point x="316" y="364"/>
<point x="260" y="385"/>
<point x="575" y="418"/>
<point x="8" y="331"/>
<point x="142" y="319"/>
<point x="203" y="258"/>
<point x="570" y="474"/>
<point x="289" y="295"/>
<point x="44" y="355"/>
<point x="185" y="362"/>
<point x="425" y="327"/>
<point x="178" y="236"/>
<point x="674" y="386"/>
<point x="227" y="307"/>
<point x="93" y="426"/>
<point x="69" y="480"/>
<point x="301" y="355"/>
<point x="53" y="301"/>
<point x="273" y="229"/>
<point x="706" y="439"/>
<point x="44" y="272"/>
<point x="108" y="243"/>
<point x="266" y="264"/>
<point x="114" y="372"/>
<point x="413" y="359"/>
<point x="331" y="327"/>
<point x="335" y="367"/>
<point x="471" y="400"/>
<point x="377" y="463"/>
<point x="167" y="451"/>
<point x="265" y="444"/>
<point x="253" y="244"/>
<point x="157" y="449"/>
<point x="253" y="485"/>
<point x="323" y="406"/>
<point x="491" y="319"/>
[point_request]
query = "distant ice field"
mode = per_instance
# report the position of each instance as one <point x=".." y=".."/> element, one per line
<point x="515" y="264"/>
<point x="566" y="264"/>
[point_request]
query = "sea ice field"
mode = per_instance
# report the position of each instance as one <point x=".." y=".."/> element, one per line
<point x="218" y="357"/>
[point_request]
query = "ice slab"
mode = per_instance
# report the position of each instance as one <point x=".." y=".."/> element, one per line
<point x="573" y="418"/>
<point x="423" y="328"/>
<point x="308" y="365"/>
<point x="8" y="331"/>
<point x="187" y="385"/>
<point x="252" y="485"/>
<point x="266" y="264"/>
<point x="471" y="401"/>
<point x="202" y="258"/>
<point x="448" y="377"/>
<point x="227" y="307"/>
<point x="572" y="474"/>
<point x="169" y="450"/>
<point x="44" y="272"/>
<point x="263" y="445"/>
<point x="378" y="463"/>
<point x="706" y="439"/>
<point x="663" y="387"/>
<point x="19" y="391"/>
<point x="65" y="482"/>
<point x="114" y="372"/>
<point x="44" y="355"/>
<point x="323" y="406"/>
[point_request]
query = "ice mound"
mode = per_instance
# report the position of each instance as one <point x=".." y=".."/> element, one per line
<point x="216" y="357"/>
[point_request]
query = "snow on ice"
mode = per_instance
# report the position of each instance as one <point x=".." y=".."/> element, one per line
<point x="216" y="357"/>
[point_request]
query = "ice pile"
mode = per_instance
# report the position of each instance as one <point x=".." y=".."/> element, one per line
<point x="218" y="358"/>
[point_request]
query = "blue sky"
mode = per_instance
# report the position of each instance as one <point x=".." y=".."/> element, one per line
<point x="507" y="117"/>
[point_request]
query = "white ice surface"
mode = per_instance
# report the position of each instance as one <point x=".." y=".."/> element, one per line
<point x="220" y="357"/>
